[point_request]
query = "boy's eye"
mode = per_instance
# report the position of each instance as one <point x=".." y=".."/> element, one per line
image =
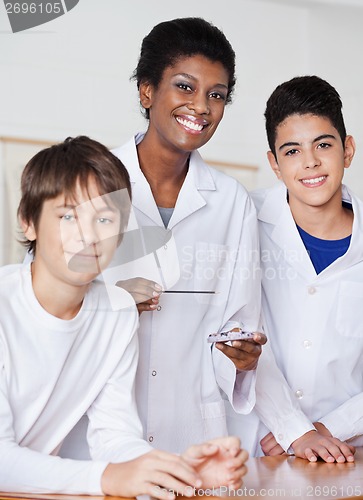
<point x="104" y="220"/>
<point x="291" y="152"/>
<point x="68" y="217"/>
<point x="324" y="145"/>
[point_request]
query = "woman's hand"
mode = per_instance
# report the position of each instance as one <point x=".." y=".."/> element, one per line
<point x="145" y="293"/>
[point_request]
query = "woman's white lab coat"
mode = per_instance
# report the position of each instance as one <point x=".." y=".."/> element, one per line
<point x="213" y="245"/>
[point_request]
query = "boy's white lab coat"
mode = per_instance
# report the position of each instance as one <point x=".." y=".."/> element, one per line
<point x="315" y="322"/>
<point x="213" y="246"/>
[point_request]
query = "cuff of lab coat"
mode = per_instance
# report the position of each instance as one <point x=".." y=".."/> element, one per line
<point x="346" y="421"/>
<point x="290" y="429"/>
<point x="239" y="388"/>
<point x="95" y="477"/>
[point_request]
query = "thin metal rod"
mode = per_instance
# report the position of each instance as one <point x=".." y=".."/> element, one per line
<point x="189" y="291"/>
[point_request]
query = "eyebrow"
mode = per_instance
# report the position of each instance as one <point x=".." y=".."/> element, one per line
<point x="191" y="77"/>
<point x="106" y="208"/>
<point x="70" y="207"/>
<point x="317" y="139"/>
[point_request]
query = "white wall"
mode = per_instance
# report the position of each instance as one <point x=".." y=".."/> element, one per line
<point x="335" y="53"/>
<point x="71" y="76"/>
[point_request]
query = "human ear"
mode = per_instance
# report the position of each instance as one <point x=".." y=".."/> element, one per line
<point x="28" y="230"/>
<point x="349" y="150"/>
<point x="145" y="94"/>
<point x="273" y="164"/>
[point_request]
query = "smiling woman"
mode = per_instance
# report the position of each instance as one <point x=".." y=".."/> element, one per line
<point x="184" y="112"/>
<point x="186" y="76"/>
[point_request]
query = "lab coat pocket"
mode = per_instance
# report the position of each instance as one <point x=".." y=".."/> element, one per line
<point x="214" y="418"/>
<point x="349" y="315"/>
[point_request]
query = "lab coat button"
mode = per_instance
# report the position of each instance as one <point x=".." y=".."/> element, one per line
<point x="165" y="247"/>
<point x="153" y="373"/>
<point x="307" y="344"/>
<point x="158" y="308"/>
<point x="299" y="394"/>
<point x="151" y="439"/>
<point x="280" y="436"/>
<point x="311" y="290"/>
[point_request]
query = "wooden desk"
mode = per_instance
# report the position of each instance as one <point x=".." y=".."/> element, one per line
<point x="296" y="479"/>
<point x="277" y="477"/>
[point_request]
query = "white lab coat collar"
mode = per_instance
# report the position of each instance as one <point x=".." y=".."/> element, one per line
<point x="276" y="211"/>
<point x="190" y="199"/>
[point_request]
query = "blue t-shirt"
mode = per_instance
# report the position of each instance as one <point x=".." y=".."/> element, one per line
<point x="323" y="252"/>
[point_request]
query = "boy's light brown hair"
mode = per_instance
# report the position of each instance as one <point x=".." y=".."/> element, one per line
<point x="58" y="169"/>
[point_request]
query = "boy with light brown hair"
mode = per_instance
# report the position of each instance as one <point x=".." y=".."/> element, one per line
<point x="68" y="344"/>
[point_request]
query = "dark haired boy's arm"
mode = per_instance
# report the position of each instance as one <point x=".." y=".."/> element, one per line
<point x="345" y="421"/>
<point x="279" y="411"/>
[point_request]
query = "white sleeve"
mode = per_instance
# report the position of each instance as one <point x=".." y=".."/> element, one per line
<point x="276" y="404"/>
<point x="346" y="421"/>
<point x="238" y="387"/>
<point x="27" y="471"/>
<point x="242" y="308"/>
<point x="114" y="430"/>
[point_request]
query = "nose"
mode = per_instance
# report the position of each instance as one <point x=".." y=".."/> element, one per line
<point x="199" y="103"/>
<point x="311" y="159"/>
<point x="88" y="232"/>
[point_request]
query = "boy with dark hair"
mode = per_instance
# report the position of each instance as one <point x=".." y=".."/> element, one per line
<point x="68" y="344"/>
<point x="310" y="227"/>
